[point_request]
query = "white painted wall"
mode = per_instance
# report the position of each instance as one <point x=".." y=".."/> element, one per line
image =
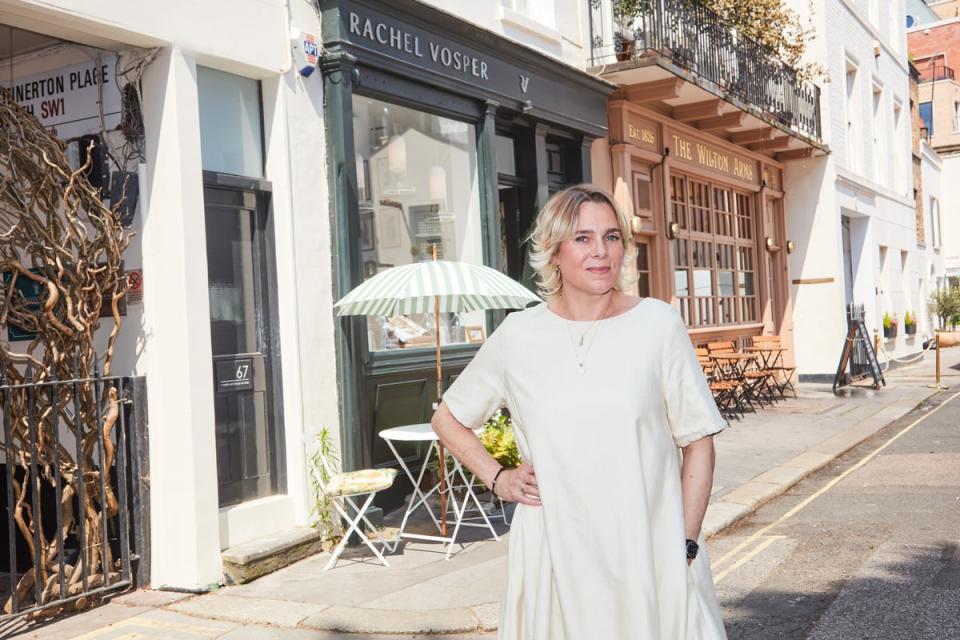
<point x="950" y="214"/>
<point x="557" y="28"/>
<point x="934" y="266"/>
<point x="867" y="178"/>
<point x="170" y="343"/>
<point x="183" y="483"/>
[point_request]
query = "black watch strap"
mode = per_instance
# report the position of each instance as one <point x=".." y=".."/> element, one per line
<point x="692" y="549"/>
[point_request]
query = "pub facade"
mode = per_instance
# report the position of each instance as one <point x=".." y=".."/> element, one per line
<point x="701" y="131"/>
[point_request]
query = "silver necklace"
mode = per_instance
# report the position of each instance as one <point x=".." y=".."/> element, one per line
<point x="577" y="344"/>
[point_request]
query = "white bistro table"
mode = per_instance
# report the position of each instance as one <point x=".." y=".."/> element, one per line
<point x="425" y="433"/>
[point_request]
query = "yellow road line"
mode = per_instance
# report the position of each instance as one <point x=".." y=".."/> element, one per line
<point x="798" y="508"/>
<point x="760" y="547"/>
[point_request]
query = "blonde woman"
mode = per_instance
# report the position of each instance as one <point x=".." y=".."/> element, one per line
<point x="603" y="388"/>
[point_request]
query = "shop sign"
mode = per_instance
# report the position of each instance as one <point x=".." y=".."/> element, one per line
<point x="709" y="157"/>
<point x="492" y="72"/>
<point x="68" y="94"/>
<point x="642" y="133"/>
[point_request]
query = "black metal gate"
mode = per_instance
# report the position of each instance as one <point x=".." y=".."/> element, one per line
<point x="70" y="531"/>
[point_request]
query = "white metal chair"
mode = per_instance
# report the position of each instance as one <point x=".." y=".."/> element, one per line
<point x="341" y="489"/>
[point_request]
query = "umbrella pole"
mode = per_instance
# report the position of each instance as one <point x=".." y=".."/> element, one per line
<point x="443" y="457"/>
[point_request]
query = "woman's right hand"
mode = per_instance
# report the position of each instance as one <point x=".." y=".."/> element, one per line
<point x="519" y="485"/>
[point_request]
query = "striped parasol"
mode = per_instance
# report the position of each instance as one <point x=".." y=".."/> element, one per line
<point x="438" y="286"/>
<point x="416" y="288"/>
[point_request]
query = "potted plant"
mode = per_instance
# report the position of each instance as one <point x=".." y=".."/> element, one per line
<point x="889" y="326"/>
<point x="910" y="323"/>
<point x="627" y="16"/>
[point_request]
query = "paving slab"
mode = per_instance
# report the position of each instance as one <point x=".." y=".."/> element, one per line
<point x="281" y="613"/>
<point x="367" y="620"/>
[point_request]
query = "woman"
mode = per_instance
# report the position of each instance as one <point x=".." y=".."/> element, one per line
<point x="603" y="388"/>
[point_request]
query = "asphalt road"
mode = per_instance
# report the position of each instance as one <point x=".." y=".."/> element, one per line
<point x="866" y="548"/>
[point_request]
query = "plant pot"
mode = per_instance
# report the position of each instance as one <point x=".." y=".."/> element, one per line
<point x="625" y="49"/>
<point x="911" y="329"/>
<point x="890" y="332"/>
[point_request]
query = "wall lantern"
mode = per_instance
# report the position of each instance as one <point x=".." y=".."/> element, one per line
<point x="397" y="155"/>
<point x="636" y="225"/>
<point x="791" y="246"/>
<point x="437" y="182"/>
<point x="771" y="245"/>
<point x="673" y="230"/>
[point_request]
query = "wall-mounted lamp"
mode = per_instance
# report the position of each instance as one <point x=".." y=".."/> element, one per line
<point x="672" y="230"/>
<point x="771" y="245"/>
<point x="636" y="225"/>
<point x="791" y="246"/>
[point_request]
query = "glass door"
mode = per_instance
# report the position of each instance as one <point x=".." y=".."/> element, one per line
<point x="243" y="333"/>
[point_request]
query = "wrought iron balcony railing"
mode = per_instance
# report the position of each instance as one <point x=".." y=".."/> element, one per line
<point x="697" y="40"/>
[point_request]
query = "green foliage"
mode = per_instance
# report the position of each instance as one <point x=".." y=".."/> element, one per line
<point x="320" y="511"/>
<point x="908" y="319"/>
<point x="945" y="303"/>
<point x="888" y="320"/>
<point x="499" y="440"/>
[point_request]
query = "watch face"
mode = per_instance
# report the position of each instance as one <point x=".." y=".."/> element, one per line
<point x="692" y="549"/>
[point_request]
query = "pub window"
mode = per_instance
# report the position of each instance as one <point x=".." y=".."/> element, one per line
<point x="714" y="253"/>
<point x="417" y="192"/>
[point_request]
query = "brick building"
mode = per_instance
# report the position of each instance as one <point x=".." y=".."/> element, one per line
<point x="935" y="49"/>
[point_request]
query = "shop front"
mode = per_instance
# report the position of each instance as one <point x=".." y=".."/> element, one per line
<point x="446" y="138"/>
<point x="708" y="222"/>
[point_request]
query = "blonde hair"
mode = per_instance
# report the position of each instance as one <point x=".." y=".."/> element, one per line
<point x="558" y="221"/>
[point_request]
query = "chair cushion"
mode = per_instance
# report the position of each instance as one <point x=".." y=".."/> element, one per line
<point x="362" y="481"/>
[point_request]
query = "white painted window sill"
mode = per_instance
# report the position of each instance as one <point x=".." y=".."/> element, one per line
<point x="510" y="17"/>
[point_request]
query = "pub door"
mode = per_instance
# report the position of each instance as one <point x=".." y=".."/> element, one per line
<point x="245" y="344"/>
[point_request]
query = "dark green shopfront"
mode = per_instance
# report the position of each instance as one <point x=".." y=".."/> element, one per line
<point x="441" y="135"/>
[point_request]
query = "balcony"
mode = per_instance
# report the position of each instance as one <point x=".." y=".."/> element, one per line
<point x="934" y="70"/>
<point x="682" y="39"/>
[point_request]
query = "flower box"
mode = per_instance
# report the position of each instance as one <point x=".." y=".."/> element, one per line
<point x="890" y="332"/>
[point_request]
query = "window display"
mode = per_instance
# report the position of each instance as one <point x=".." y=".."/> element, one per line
<point x="418" y="193"/>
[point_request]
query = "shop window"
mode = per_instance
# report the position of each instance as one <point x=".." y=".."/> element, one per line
<point x="715" y="257"/>
<point x="231" y="136"/>
<point x="418" y="192"/>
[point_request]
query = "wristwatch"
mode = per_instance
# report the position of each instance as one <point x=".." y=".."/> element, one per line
<point x="692" y="549"/>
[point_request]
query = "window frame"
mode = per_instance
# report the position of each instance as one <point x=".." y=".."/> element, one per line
<point x="718" y="237"/>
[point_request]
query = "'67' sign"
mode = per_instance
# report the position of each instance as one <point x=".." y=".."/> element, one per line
<point x="235" y="375"/>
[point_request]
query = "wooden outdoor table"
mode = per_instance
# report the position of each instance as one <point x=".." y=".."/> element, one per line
<point x="769" y="356"/>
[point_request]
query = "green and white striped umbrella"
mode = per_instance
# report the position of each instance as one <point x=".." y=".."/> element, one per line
<point x="413" y="288"/>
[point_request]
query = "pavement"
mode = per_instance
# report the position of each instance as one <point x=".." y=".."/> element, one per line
<point x="421" y="593"/>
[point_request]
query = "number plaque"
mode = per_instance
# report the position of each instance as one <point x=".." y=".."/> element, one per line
<point x="234" y="375"/>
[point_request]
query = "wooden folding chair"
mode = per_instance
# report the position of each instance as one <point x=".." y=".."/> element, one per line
<point x="726" y="393"/>
<point x="742" y="367"/>
<point x="771" y="349"/>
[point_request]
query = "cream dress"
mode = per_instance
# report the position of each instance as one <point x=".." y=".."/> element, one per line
<point x="604" y="557"/>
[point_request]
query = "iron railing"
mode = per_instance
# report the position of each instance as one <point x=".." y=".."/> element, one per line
<point x="698" y="41"/>
<point x="86" y="522"/>
<point x="935" y="69"/>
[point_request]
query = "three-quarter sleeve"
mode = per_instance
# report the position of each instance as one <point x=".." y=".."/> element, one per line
<point x="691" y="410"/>
<point x="480" y="390"/>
